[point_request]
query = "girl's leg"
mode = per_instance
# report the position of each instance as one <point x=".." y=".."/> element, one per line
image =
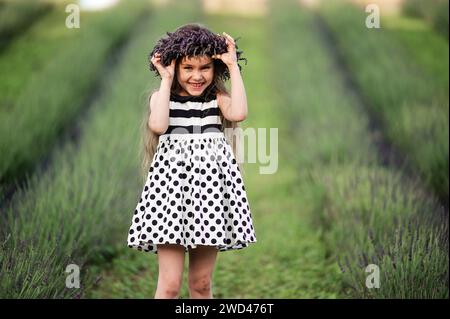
<point x="201" y="266"/>
<point x="170" y="276"/>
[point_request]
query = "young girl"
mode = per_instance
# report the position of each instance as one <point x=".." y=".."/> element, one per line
<point x="194" y="199"/>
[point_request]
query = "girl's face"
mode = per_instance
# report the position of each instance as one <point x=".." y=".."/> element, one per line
<point x="195" y="74"/>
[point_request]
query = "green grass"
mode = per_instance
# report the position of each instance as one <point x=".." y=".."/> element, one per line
<point x="374" y="216"/>
<point x="402" y="71"/>
<point x="77" y="210"/>
<point x="360" y="206"/>
<point x="17" y="16"/>
<point x="423" y="45"/>
<point x="29" y="54"/>
<point x="42" y="95"/>
<point x="434" y="12"/>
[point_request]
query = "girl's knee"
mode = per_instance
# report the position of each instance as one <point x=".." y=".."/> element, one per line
<point x="200" y="283"/>
<point x="168" y="288"/>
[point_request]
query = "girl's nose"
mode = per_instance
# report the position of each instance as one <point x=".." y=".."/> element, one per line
<point x="197" y="75"/>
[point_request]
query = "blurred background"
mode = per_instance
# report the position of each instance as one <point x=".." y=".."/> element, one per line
<point x="363" y="126"/>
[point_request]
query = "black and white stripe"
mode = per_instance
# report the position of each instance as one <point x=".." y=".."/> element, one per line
<point x="191" y="117"/>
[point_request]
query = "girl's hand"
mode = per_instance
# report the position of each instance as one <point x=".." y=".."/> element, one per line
<point x="230" y="57"/>
<point x="166" y="72"/>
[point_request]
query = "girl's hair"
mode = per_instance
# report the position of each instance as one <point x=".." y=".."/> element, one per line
<point x="187" y="41"/>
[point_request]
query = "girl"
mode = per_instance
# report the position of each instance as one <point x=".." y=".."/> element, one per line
<point x="194" y="199"/>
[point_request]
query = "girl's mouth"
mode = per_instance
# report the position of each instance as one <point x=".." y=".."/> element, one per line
<point x="196" y="86"/>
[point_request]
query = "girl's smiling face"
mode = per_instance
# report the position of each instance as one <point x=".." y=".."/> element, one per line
<point x="195" y="74"/>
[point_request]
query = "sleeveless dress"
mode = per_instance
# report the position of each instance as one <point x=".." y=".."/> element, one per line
<point x="194" y="193"/>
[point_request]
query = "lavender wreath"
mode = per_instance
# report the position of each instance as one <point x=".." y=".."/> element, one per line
<point x="193" y="40"/>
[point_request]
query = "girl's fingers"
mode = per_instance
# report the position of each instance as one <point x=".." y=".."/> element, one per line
<point x="229" y="37"/>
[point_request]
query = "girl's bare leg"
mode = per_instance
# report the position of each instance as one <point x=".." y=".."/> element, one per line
<point x="170" y="276"/>
<point x="201" y="266"/>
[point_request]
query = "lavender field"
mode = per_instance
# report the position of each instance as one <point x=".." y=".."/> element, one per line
<point x="361" y="184"/>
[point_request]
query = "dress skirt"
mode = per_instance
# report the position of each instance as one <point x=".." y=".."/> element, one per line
<point x="194" y="195"/>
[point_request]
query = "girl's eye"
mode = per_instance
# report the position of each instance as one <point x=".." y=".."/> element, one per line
<point x="188" y="67"/>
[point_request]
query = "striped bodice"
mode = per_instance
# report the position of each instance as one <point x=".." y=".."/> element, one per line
<point x="193" y="115"/>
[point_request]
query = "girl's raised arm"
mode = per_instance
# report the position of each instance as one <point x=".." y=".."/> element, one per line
<point x="158" y="121"/>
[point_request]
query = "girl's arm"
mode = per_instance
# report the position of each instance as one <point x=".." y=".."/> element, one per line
<point x="158" y="121"/>
<point x="237" y="107"/>
<point x="234" y="107"/>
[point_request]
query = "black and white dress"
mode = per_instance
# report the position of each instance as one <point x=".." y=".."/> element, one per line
<point x="194" y="193"/>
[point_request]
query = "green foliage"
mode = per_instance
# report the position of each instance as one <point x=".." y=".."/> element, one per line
<point x="17" y="16"/>
<point x="440" y="18"/>
<point x="373" y="216"/>
<point x="43" y="95"/>
<point x="402" y="72"/>
<point x="435" y="12"/>
<point x="77" y="211"/>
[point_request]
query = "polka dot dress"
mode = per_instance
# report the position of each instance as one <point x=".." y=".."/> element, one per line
<point x="194" y="193"/>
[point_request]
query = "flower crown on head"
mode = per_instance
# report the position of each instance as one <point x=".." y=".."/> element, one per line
<point x="193" y="40"/>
